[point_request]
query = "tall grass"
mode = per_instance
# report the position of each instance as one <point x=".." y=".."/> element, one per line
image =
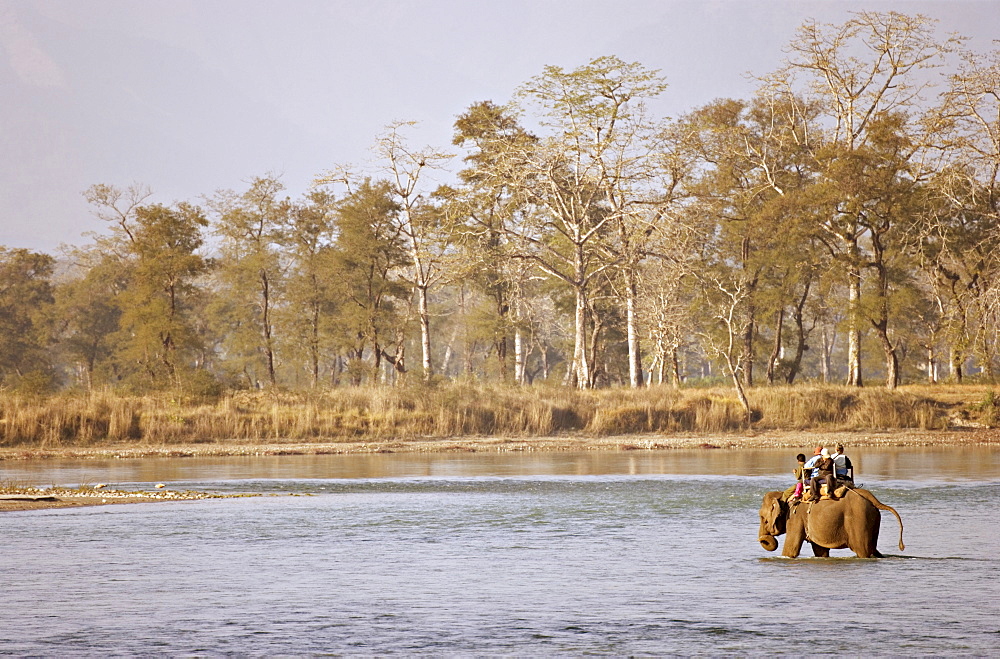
<point x="375" y="413"/>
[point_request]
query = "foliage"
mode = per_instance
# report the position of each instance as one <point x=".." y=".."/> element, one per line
<point x="841" y="223"/>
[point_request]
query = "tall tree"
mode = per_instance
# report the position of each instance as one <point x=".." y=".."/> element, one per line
<point x="25" y="302"/>
<point x="872" y="66"/>
<point x="966" y="221"/>
<point x="749" y="180"/>
<point x="584" y="177"/>
<point x="149" y="262"/>
<point x="87" y="316"/>
<point x="249" y="226"/>
<point x="419" y="222"/>
<point x="311" y="299"/>
<point x="366" y="260"/>
<point x="155" y="327"/>
<point x="486" y="206"/>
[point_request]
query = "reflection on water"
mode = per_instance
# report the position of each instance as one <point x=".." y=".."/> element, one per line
<point x="482" y="554"/>
<point x="922" y="463"/>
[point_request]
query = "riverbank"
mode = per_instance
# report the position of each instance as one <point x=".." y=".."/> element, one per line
<point x="379" y="416"/>
<point x="569" y="442"/>
<point x="14" y="498"/>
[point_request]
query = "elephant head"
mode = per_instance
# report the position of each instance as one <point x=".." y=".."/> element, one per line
<point x="773" y="514"/>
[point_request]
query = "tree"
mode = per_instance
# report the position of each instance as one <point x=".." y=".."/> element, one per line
<point x="750" y="215"/>
<point x="25" y="302"/>
<point x="367" y="256"/>
<point x="426" y="238"/>
<point x="311" y="296"/>
<point x="148" y="263"/>
<point x="87" y="316"/>
<point x="871" y="67"/>
<point x="154" y="325"/>
<point x="250" y="270"/>
<point x="485" y="208"/>
<point x="960" y="234"/>
<point x="584" y="177"/>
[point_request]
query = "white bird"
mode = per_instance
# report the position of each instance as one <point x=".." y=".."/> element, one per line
<point x="160" y="486"/>
<point x="100" y="485"/>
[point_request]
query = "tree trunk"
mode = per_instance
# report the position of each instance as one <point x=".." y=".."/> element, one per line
<point x="500" y="340"/>
<point x="425" y="330"/>
<point x="593" y="358"/>
<point x="881" y="323"/>
<point x="751" y="317"/>
<point x="314" y="346"/>
<point x="675" y="370"/>
<point x="581" y="367"/>
<point x="986" y="351"/>
<point x="891" y="360"/>
<point x="776" y="350"/>
<point x="449" y="351"/>
<point x="634" y="356"/>
<point x="741" y="393"/>
<point x="827" y="358"/>
<point x="748" y="333"/>
<point x="955" y="362"/>
<point x="800" y="336"/>
<point x="265" y="309"/>
<point x="854" y="332"/>
<point x="518" y="357"/>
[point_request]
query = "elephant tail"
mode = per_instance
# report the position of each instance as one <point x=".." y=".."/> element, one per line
<point x="881" y="506"/>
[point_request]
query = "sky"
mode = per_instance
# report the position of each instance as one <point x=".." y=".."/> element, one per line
<point x="193" y="96"/>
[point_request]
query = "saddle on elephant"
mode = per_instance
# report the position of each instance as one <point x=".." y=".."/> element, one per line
<point x="788" y="496"/>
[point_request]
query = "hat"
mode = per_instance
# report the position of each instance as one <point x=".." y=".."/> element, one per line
<point x="825" y="453"/>
<point x="819" y="449"/>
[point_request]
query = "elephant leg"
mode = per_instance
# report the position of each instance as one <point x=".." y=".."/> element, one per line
<point x="868" y="546"/>
<point x="863" y="534"/>
<point x="865" y="552"/>
<point x="793" y="543"/>
<point x="821" y="552"/>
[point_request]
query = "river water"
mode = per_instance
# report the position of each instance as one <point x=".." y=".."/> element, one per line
<point x="630" y="553"/>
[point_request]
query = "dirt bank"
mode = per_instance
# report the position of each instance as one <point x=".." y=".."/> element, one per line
<point x="756" y="440"/>
<point x="774" y="439"/>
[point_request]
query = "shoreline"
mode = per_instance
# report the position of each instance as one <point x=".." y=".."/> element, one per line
<point x="14" y="498"/>
<point x="39" y="499"/>
<point x="763" y="439"/>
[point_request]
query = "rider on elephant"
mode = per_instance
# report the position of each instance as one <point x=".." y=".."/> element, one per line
<point x="823" y="474"/>
<point x="844" y="470"/>
<point x="810" y="464"/>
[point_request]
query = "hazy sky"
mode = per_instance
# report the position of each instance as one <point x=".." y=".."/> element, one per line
<point x="190" y="96"/>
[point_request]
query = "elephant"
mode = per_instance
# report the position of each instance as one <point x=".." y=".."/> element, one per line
<point x="849" y="522"/>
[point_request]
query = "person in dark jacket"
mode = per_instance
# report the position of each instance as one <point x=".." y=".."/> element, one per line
<point x="824" y="474"/>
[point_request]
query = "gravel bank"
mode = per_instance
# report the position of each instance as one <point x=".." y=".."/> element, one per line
<point x="755" y="440"/>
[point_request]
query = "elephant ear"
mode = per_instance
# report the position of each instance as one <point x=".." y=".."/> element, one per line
<point x="776" y="515"/>
<point x="775" y="510"/>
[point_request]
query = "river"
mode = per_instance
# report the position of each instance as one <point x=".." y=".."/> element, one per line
<point x="616" y="553"/>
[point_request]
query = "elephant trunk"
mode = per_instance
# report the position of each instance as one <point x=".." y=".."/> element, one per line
<point x="768" y="542"/>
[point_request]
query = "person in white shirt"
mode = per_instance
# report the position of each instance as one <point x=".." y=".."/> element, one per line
<point x="844" y="468"/>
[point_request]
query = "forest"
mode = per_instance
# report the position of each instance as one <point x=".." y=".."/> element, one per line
<point x="839" y="226"/>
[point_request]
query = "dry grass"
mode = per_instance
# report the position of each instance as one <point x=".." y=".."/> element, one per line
<point x="450" y="410"/>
